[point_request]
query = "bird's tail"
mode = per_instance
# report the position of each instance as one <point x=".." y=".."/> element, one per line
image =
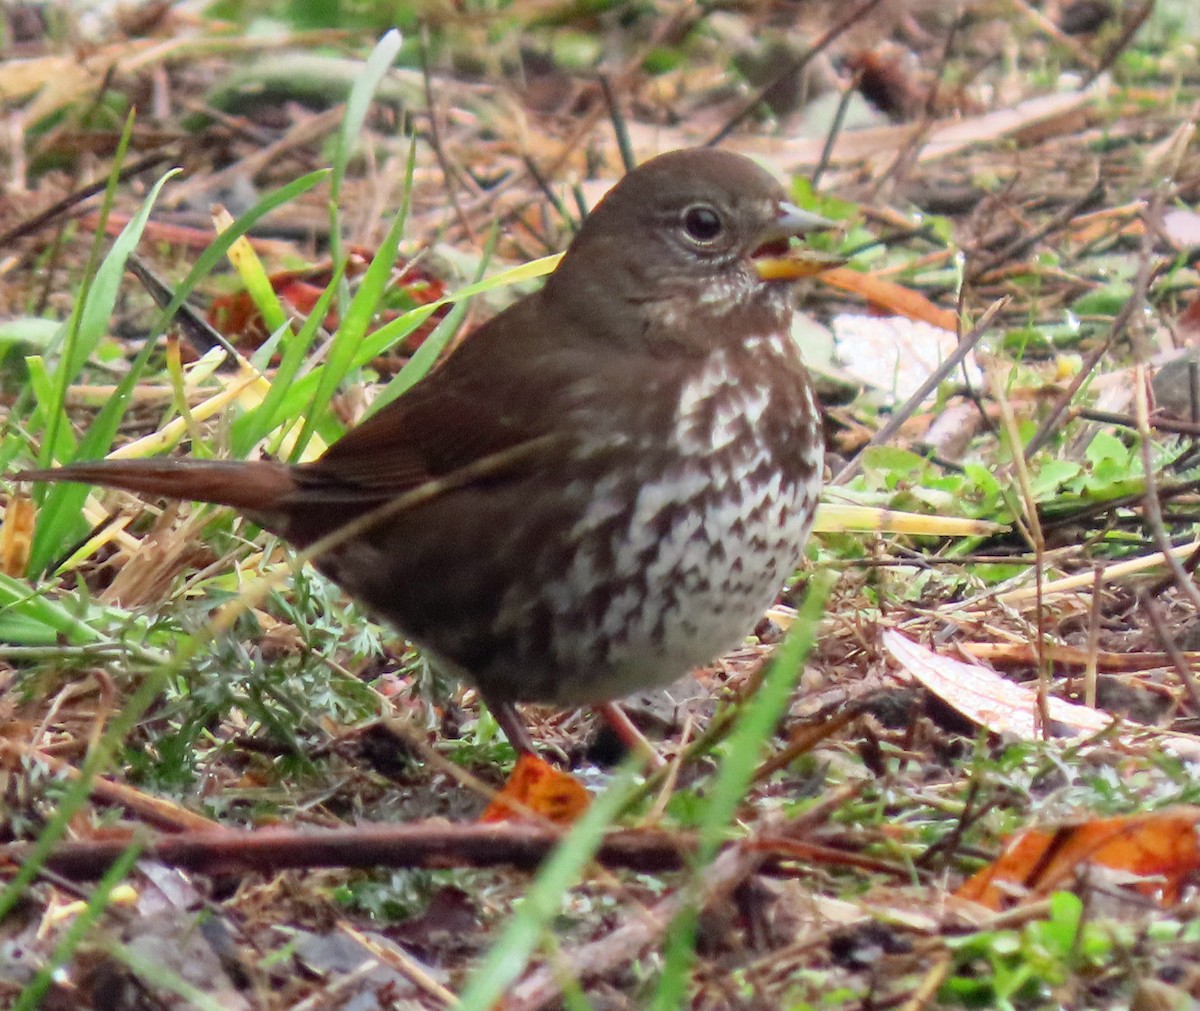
<point x="257" y="487"/>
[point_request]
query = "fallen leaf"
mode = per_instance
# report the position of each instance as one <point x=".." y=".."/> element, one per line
<point x="1161" y="850"/>
<point x="16" y="535"/>
<point x="892" y="297"/>
<point x="894" y="354"/>
<point x="988" y="698"/>
<point x="536" y="786"/>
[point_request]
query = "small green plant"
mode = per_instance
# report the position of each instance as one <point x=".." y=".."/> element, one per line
<point x="1009" y="969"/>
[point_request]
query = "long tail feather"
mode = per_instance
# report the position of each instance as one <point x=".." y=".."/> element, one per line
<point x="257" y="487"/>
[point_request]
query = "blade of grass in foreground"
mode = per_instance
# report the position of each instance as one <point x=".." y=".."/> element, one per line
<point x="761" y="713"/>
<point x="60" y="507"/>
<point x="543" y="900"/>
<point x="59" y="511"/>
<point x="215" y="252"/>
<point x="358" y="104"/>
<point x="358" y="314"/>
<point x="431" y="348"/>
<point x="387" y="336"/>
<point x="31" y="997"/>
<point x="297" y="393"/>
<point x="89" y="321"/>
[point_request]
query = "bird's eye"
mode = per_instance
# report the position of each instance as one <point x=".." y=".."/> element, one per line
<point x="701" y="223"/>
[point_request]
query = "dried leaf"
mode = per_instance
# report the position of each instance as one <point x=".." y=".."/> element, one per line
<point x="987" y="698"/>
<point x="1160" y="849"/>
<point x="540" y="788"/>
<point x="16" y="535"/>
<point x="895" y="298"/>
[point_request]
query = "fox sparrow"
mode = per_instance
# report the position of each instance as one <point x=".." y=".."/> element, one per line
<point x="629" y="458"/>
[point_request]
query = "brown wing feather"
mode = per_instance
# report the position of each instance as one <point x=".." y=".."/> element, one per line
<point x="476" y="404"/>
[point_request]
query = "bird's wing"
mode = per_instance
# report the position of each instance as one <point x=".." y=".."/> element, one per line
<point x="480" y="404"/>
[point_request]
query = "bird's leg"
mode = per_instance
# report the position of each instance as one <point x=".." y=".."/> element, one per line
<point x="628" y="734"/>
<point x="505" y="714"/>
<point x="534" y="787"/>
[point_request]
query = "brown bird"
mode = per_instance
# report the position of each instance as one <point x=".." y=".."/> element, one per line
<point x="629" y="459"/>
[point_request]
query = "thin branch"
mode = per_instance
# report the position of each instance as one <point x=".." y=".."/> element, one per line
<point x="835" y="129"/>
<point x="435" y="142"/>
<point x="1132" y="24"/>
<point x="430" y="844"/>
<point x="1023" y="243"/>
<point x="1171" y="647"/>
<point x="905" y="411"/>
<point x="60" y="207"/>
<point x="1152" y="505"/>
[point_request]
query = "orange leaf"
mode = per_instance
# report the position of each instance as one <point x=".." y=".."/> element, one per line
<point x="541" y="789"/>
<point x="16" y="536"/>
<point x="891" y="296"/>
<point x="1161" y="848"/>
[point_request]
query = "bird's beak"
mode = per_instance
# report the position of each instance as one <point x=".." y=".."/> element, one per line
<point x="775" y="259"/>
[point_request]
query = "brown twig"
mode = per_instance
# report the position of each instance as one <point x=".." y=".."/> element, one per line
<point x="812" y="732"/>
<point x="1128" y="421"/>
<point x="1132" y="24"/>
<point x="435" y="142"/>
<point x="1051" y="425"/>
<point x="422" y="844"/>
<point x="155" y="810"/>
<point x="1025" y="242"/>
<point x="1000" y="654"/>
<point x="200" y="334"/>
<point x="948" y="844"/>
<point x="620" y="127"/>
<point x="430" y="844"/>
<point x="1152" y="505"/>
<point x="542" y="987"/>
<point x="1171" y="647"/>
<point x="543" y="184"/>
<point x="1091" y="668"/>
<point x="1033" y="530"/>
<point x="60" y="207"/>
<point x="835" y="129"/>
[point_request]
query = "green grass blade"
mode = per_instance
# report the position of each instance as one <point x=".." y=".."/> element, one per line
<point x="359" y="313"/>
<point x="300" y="392"/>
<point x="29" y="618"/>
<point x="97" y="308"/>
<point x="59" y="509"/>
<point x="387" y="336"/>
<point x="760" y="715"/>
<point x="216" y="250"/>
<point x="427" y="354"/>
<point x="79" y="331"/>
<point x="59" y="521"/>
<point x="256" y="424"/>
<point x="543" y="900"/>
<point x="59" y="441"/>
<point x="31" y="997"/>
<point x="91" y="322"/>
<point x="158" y="975"/>
<point x="382" y="57"/>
